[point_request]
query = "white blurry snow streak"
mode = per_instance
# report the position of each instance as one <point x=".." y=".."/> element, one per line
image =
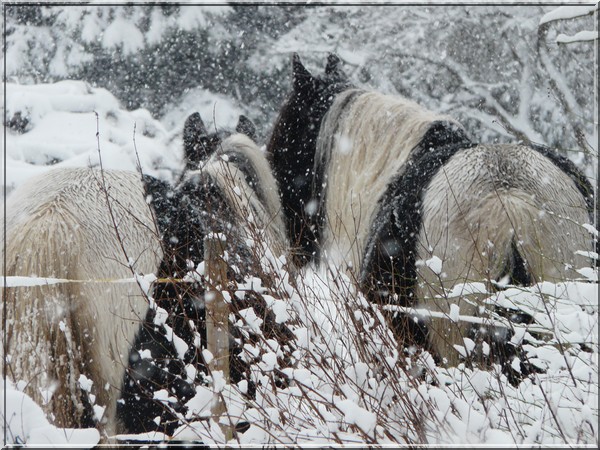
<point x="572" y="12"/>
<point x="350" y="383"/>
<point x="581" y="36"/>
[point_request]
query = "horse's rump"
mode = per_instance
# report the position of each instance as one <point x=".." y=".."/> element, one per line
<point x="60" y="226"/>
<point x="502" y="214"/>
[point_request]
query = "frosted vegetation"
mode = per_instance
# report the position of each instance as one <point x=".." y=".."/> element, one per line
<point x="518" y="73"/>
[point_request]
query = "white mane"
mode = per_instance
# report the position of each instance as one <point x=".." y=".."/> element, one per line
<point x="259" y="206"/>
<point x="366" y="144"/>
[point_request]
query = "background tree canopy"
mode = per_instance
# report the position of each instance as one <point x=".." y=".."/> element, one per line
<point x="499" y="69"/>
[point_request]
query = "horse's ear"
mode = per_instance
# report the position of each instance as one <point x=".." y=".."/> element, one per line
<point x="195" y="140"/>
<point x="193" y="128"/>
<point x="302" y="77"/>
<point x="333" y="62"/>
<point x="333" y="71"/>
<point x="245" y="126"/>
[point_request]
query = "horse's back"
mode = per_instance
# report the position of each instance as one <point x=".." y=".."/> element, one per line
<point x="365" y="143"/>
<point x="99" y="217"/>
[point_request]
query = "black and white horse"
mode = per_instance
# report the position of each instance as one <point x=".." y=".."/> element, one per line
<point x="232" y="194"/>
<point x="70" y="341"/>
<point x="401" y="198"/>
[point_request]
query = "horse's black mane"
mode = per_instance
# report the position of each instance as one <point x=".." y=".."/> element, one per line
<point x="292" y="149"/>
<point x="390" y="257"/>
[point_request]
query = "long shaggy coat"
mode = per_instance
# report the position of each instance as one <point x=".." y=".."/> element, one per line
<point x="77" y="224"/>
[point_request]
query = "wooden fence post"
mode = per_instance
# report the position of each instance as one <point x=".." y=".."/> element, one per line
<point x="217" y="320"/>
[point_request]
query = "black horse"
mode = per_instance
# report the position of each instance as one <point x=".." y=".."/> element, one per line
<point x="226" y="181"/>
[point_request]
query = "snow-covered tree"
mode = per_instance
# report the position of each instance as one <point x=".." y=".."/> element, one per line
<point x="502" y="70"/>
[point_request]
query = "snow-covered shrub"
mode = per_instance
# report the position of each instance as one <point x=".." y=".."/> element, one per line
<point x="348" y="382"/>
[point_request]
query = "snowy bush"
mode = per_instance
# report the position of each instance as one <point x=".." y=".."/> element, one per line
<point x="350" y="384"/>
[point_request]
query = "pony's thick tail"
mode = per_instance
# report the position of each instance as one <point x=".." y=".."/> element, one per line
<point x="43" y="350"/>
<point x="515" y="270"/>
<point x="507" y="237"/>
<point x="532" y="243"/>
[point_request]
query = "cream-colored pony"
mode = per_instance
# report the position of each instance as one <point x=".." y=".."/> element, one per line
<point x="69" y="342"/>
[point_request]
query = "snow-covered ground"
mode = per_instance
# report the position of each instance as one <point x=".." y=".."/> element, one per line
<point x="348" y="384"/>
